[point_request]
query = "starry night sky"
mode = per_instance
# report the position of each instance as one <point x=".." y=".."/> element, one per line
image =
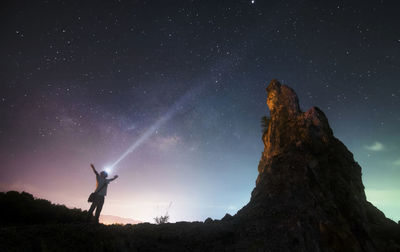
<point x="81" y="81"/>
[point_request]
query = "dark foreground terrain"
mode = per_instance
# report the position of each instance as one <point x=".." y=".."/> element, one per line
<point x="309" y="196"/>
<point x="140" y="237"/>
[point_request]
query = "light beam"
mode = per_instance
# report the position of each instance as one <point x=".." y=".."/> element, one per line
<point x="175" y="108"/>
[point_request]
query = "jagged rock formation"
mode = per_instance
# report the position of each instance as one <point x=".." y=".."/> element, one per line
<point x="309" y="195"/>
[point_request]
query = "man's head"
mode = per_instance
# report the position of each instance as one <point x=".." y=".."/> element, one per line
<point x="103" y="174"/>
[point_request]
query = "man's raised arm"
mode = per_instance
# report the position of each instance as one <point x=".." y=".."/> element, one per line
<point x="94" y="170"/>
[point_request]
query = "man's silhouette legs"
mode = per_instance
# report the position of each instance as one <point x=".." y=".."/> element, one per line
<point x="98" y="208"/>
<point x="98" y="204"/>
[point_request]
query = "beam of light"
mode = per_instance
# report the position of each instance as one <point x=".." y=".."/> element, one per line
<point x="175" y="108"/>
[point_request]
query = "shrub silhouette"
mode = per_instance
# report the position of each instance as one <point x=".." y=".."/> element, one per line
<point x="264" y="124"/>
<point x="163" y="218"/>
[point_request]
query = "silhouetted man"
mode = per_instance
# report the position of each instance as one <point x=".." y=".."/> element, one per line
<point x="101" y="191"/>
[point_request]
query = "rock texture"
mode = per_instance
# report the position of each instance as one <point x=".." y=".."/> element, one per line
<point x="309" y="194"/>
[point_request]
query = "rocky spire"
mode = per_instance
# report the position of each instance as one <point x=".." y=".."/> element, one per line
<point x="282" y="100"/>
<point x="309" y="187"/>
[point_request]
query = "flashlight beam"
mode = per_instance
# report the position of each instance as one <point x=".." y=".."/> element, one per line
<point x="174" y="109"/>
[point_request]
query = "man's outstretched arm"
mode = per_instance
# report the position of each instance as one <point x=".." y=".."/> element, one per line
<point x="94" y="170"/>
<point x="115" y="177"/>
